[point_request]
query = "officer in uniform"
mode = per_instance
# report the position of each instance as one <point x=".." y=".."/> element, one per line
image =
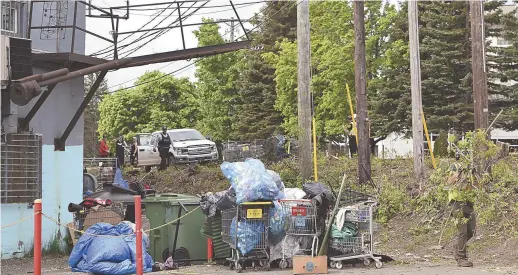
<point x="164" y="143"/>
<point x="461" y="199"/>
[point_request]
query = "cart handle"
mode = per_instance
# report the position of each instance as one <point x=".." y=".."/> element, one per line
<point x="290" y="200"/>
<point x="257" y="203"/>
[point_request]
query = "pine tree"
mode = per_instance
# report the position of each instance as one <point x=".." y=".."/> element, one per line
<point x="254" y="115"/>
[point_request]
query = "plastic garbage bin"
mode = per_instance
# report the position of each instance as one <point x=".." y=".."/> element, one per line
<point x="181" y="239"/>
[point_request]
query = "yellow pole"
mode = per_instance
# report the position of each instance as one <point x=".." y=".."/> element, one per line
<point x="315" y="149"/>
<point x="352" y="112"/>
<point x="428" y="140"/>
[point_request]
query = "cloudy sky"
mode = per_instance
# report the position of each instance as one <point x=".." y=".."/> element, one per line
<point x="169" y="41"/>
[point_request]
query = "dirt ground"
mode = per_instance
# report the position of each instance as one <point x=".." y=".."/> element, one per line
<point x="58" y="266"/>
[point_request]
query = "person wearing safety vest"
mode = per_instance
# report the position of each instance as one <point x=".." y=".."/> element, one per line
<point x="461" y="198"/>
<point x="164" y="143"/>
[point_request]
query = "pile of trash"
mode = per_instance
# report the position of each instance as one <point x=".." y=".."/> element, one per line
<point x="98" y="254"/>
<point x="251" y="182"/>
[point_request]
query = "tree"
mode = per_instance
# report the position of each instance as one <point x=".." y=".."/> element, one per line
<point x="215" y="91"/>
<point x="332" y="50"/>
<point x="255" y="116"/>
<point x="91" y="116"/>
<point x="168" y="101"/>
<point x="503" y="72"/>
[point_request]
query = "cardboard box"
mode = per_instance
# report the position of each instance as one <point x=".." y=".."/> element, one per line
<point x="309" y="265"/>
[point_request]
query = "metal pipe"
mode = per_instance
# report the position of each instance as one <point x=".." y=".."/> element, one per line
<point x="74" y="29"/>
<point x="102" y="67"/>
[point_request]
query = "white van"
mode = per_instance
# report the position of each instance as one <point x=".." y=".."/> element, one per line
<point x="187" y="145"/>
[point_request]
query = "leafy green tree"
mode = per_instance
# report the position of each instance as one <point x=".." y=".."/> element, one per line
<point x="216" y="92"/>
<point x="168" y="101"/>
<point x="91" y="116"/>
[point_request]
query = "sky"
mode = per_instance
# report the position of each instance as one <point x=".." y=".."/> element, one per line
<point x="169" y="41"/>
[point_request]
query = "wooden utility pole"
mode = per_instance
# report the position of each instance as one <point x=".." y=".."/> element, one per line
<point x="415" y="75"/>
<point x="360" y="83"/>
<point x="480" y="97"/>
<point x="304" y="96"/>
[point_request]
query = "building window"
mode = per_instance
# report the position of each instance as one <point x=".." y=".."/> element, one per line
<point x="9" y="16"/>
<point x="20" y="170"/>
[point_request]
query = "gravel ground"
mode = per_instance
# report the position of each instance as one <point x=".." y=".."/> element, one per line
<point x="58" y="266"/>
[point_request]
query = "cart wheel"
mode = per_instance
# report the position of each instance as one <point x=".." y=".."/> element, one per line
<point x="267" y="265"/>
<point x="379" y="264"/>
<point x="239" y="267"/>
<point x="231" y="265"/>
<point x="332" y="264"/>
<point x="366" y="261"/>
<point x="339" y="265"/>
<point x="283" y="264"/>
<point x="290" y="263"/>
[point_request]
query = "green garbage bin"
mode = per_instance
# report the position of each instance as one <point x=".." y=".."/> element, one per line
<point x="181" y="239"/>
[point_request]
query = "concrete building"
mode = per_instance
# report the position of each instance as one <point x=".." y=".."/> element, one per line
<point x="51" y="174"/>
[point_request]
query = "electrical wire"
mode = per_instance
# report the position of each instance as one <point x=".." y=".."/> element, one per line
<point x="162" y="32"/>
<point x="157" y="34"/>
<point x="155" y="17"/>
<point x="205" y="7"/>
<point x="173" y="73"/>
<point x="212" y="12"/>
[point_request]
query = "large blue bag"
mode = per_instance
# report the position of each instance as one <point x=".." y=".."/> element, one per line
<point x="108" y="255"/>
<point x="276" y="231"/>
<point x="251" y="181"/>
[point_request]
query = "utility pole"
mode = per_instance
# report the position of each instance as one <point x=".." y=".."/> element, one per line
<point x="360" y="83"/>
<point x="480" y="97"/>
<point x="417" y="105"/>
<point x="304" y="97"/>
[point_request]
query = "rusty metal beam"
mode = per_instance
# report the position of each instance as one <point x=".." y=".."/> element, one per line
<point x="187" y="54"/>
<point x="60" y="143"/>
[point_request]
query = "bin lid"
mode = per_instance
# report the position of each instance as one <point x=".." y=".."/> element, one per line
<point x="171" y="198"/>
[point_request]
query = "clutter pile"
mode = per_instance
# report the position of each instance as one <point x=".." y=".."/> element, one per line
<point x="264" y="222"/>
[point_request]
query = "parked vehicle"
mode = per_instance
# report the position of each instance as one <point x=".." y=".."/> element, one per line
<point x="188" y="145"/>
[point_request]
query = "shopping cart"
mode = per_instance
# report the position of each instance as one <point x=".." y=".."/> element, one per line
<point x="112" y="214"/>
<point x="300" y="221"/>
<point x="245" y="229"/>
<point x="360" y="246"/>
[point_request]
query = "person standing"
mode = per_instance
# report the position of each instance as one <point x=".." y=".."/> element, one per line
<point x="119" y="151"/>
<point x="461" y="198"/>
<point x="104" y="150"/>
<point x="134" y="151"/>
<point x="164" y="143"/>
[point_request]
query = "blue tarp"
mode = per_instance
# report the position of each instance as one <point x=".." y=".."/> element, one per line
<point x="119" y="180"/>
<point x="108" y="255"/>
<point x="249" y="234"/>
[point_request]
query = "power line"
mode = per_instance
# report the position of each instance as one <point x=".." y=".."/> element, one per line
<point x="173" y="73"/>
<point x="155" y="17"/>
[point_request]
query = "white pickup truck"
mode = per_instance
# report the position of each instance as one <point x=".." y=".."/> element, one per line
<point x="188" y="145"/>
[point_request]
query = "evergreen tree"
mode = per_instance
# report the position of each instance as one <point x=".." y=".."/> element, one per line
<point x="502" y="62"/>
<point x="254" y="115"/>
<point x="91" y="116"/>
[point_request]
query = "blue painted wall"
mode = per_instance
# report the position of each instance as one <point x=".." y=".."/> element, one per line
<point x="62" y="184"/>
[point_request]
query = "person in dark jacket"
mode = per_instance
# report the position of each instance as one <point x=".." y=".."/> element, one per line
<point x="164" y="143"/>
<point x="119" y="151"/>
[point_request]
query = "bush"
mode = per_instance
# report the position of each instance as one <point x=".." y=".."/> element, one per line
<point x="440" y="148"/>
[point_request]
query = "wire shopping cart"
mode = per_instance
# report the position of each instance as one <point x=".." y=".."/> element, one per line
<point x="245" y="229"/>
<point x="360" y="246"/>
<point x="300" y="221"/>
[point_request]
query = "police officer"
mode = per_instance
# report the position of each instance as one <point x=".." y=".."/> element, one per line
<point x="164" y="143"/>
<point x="461" y="199"/>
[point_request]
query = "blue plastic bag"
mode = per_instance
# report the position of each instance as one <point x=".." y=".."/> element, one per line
<point x="276" y="231"/>
<point x="108" y="255"/>
<point x="249" y="234"/>
<point x="119" y="180"/>
<point x="251" y="181"/>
